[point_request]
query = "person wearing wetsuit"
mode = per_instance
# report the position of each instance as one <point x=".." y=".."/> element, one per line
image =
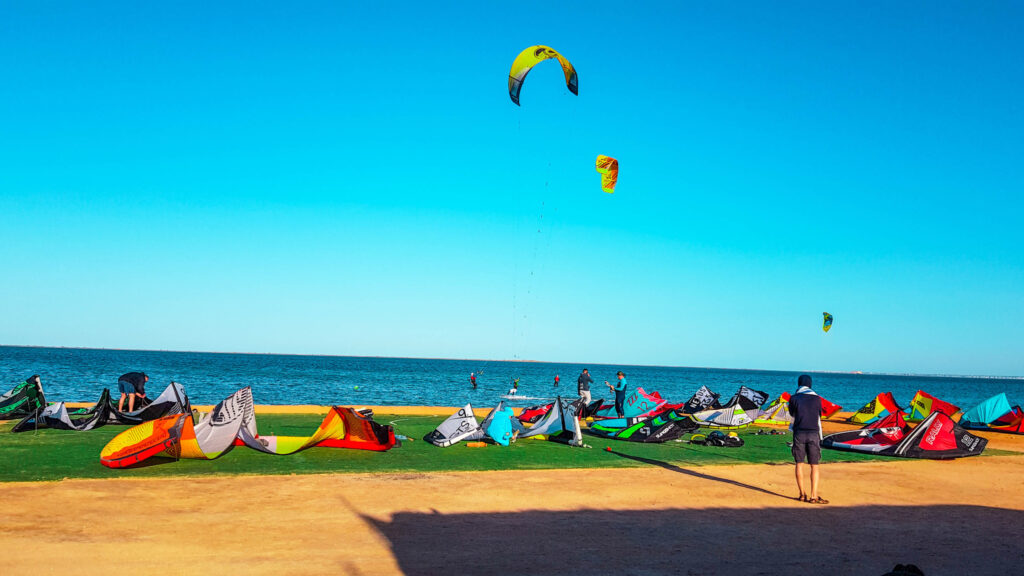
<point x="620" y="393"/>
<point x="131" y="385"/>
<point x="805" y="407"/>
<point x="472" y="379"/>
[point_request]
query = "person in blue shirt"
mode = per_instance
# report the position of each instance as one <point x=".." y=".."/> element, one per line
<point x="620" y="392"/>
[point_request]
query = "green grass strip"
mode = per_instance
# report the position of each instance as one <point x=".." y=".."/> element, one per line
<point x="58" y="454"/>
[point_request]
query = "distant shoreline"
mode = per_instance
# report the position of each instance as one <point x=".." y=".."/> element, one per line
<point x="622" y="365"/>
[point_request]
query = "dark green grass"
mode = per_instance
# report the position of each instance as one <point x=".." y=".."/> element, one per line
<point x="57" y="454"/>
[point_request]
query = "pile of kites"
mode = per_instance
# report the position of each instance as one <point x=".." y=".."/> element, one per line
<point x="650" y="418"/>
<point x="168" y="426"/>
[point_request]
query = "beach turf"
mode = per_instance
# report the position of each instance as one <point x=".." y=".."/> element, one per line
<point x="59" y="454"/>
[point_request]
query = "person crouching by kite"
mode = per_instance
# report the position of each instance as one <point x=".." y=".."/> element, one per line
<point x="805" y="407"/>
<point x="620" y="393"/>
<point x="131" y="385"/>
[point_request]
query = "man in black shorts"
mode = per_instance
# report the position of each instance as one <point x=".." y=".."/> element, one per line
<point x="805" y="407"/>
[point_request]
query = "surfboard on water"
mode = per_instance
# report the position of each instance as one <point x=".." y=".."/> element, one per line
<point x="514" y="397"/>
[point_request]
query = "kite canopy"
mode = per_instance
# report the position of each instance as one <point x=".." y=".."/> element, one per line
<point x="178" y="436"/>
<point x="56" y="416"/>
<point x="532" y="414"/>
<point x="560" y="424"/>
<point x="778" y="411"/>
<point x="638" y="404"/>
<point x="456" y="428"/>
<point x="995" y="414"/>
<point x="529" y="58"/>
<point x="924" y="404"/>
<point x="827" y="323"/>
<point x="937" y="438"/>
<point x="591" y="409"/>
<point x="172" y="400"/>
<point x="233" y="422"/>
<point x="702" y="399"/>
<point x="664" y="427"/>
<point x="343" y="427"/>
<point x="741" y="410"/>
<point x="880" y="407"/>
<point x="608" y="168"/>
<point x="23" y="400"/>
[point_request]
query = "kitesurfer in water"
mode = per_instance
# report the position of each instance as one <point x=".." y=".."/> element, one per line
<point x="583" y="386"/>
<point x="620" y="392"/>
<point x="131" y="385"/>
<point x="805" y="407"/>
<point x="515" y="387"/>
<point x="472" y="379"/>
<point x="556" y="379"/>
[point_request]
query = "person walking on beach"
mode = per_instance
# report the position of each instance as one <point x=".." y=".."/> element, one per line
<point x="472" y="379"/>
<point x="620" y="393"/>
<point x="131" y="385"/>
<point x="556" y="380"/>
<point x="805" y="407"/>
<point x="583" y="385"/>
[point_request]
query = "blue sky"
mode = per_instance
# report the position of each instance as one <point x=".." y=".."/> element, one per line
<point x="346" y="178"/>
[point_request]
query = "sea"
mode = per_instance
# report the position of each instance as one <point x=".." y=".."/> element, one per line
<point x="80" y="375"/>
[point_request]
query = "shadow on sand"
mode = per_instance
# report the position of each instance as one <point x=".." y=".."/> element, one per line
<point x="695" y="474"/>
<point x="861" y="541"/>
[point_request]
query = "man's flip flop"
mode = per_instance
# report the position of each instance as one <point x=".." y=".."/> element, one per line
<point x="818" y="500"/>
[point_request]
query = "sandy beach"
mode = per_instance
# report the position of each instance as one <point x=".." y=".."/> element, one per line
<point x="948" y="517"/>
<point x="657" y="520"/>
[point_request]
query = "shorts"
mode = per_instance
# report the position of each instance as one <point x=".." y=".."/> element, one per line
<point x="807" y="447"/>
<point x="585" y="395"/>
<point x="125" y="387"/>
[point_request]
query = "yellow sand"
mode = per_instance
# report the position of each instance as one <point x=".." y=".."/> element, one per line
<point x="956" y="517"/>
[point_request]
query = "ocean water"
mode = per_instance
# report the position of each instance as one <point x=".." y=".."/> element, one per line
<point x="75" y="374"/>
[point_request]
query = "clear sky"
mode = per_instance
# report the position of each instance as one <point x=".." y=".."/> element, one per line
<point x="352" y="178"/>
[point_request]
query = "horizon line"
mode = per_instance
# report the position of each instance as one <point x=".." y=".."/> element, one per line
<point x="843" y="372"/>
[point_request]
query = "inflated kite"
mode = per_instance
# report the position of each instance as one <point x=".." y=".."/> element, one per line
<point x="529" y="58"/>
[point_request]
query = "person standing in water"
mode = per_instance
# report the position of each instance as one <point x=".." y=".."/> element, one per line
<point x="515" y="387"/>
<point x="805" y="407"/>
<point x="556" y="380"/>
<point x="620" y="392"/>
<point x="472" y="379"/>
<point x="583" y="385"/>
